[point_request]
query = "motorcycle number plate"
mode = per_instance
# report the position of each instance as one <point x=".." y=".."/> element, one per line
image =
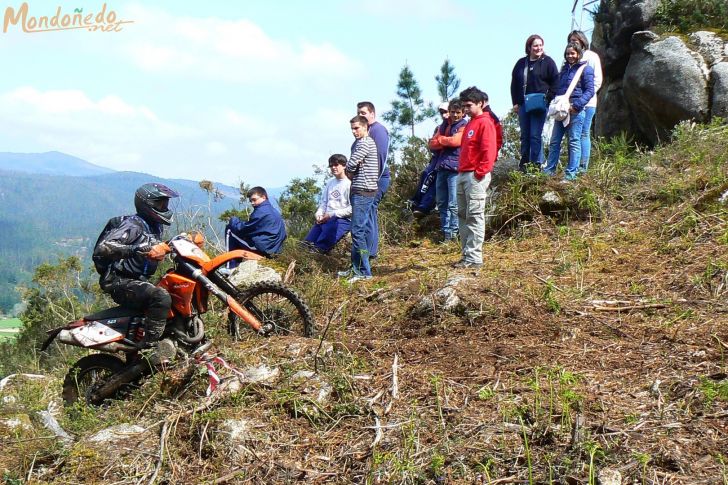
<point x="95" y="333"/>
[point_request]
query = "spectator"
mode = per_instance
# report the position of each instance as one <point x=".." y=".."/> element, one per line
<point x="380" y="135"/>
<point x="574" y="69"/>
<point x="333" y="216"/>
<point x="363" y="170"/>
<point x="477" y="154"/>
<point x="263" y="233"/>
<point x="424" y="199"/>
<point x="447" y="141"/>
<point x="592" y="59"/>
<point x="535" y="73"/>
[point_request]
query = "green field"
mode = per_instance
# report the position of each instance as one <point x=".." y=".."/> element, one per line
<point x="9" y="327"/>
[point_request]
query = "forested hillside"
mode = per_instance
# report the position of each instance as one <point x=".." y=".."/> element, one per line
<point x="43" y="216"/>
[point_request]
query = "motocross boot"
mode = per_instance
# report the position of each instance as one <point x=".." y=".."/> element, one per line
<point x="164" y="350"/>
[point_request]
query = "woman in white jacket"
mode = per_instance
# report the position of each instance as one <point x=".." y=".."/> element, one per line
<point x="592" y="59"/>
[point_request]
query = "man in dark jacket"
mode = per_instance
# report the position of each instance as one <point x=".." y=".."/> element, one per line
<point x="134" y="250"/>
<point x="263" y="233"/>
<point x="447" y="141"/>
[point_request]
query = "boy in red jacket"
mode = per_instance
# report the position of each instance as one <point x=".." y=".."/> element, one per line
<point x="478" y="152"/>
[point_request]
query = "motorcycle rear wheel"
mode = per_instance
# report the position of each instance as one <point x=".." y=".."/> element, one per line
<point x="86" y="374"/>
<point x="276" y="305"/>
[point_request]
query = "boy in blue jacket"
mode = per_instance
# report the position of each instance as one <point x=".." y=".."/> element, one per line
<point x="263" y="233"/>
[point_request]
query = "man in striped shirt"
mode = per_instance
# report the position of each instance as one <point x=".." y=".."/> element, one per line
<point x="363" y="169"/>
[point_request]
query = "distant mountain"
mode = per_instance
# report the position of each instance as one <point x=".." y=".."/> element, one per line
<point x="49" y="163"/>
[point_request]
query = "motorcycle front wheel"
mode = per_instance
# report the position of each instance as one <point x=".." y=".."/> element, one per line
<point x="88" y="373"/>
<point x="277" y="307"/>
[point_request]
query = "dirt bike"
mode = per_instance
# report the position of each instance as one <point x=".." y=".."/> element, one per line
<point x="267" y="307"/>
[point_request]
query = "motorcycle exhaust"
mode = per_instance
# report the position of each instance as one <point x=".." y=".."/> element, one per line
<point x="66" y="337"/>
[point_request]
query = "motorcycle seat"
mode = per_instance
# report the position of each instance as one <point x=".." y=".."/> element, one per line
<point x="114" y="312"/>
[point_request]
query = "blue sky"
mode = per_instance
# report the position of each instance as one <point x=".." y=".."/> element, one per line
<point x="253" y="91"/>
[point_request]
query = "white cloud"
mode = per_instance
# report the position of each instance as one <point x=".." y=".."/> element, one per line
<point x="224" y="144"/>
<point x="106" y="131"/>
<point x="231" y="50"/>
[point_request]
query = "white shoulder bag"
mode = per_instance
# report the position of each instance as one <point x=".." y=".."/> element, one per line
<point x="559" y="107"/>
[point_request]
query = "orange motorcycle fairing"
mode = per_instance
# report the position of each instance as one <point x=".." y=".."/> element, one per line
<point x="186" y="294"/>
<point x="223" y="258"/>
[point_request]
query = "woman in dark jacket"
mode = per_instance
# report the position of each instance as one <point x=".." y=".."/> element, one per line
<point x="535" y="73"/>
<point x="573" y="124"/>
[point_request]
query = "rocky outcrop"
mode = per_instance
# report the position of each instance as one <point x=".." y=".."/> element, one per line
<point x="664" y="82"/>
<point x="614" y="113"/>
<point x="719" y="87"/>
<point x="653" y="82"/>
<point x="613" y="28"/>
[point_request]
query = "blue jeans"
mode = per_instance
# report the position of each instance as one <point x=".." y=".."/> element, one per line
<point x="361" y="213"/>
<point x="373" y="238"/>
<point x="447" y="202"/>
<point x="325" y="236"/>
<point x="531" y="125"/>
<point x="586" y="138"/>
<point x="574" y="131"/>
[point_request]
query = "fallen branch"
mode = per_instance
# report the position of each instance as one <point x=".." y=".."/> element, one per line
<point x="547" y="282"/>
<point x="379" y="434"/>
<point x="229" y="476"/>
<point x="162" y="439"/>
<point x="290" y="272"/>
<point x="627" y="308"/>
<point x="336" y="314"/>
<point x="395" y="384"/>
<point x="722" y="344"/>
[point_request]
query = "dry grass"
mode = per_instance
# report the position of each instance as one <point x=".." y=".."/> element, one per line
<point x="581" y="345"/>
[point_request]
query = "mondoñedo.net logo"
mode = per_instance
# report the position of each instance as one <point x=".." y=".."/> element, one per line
<point x="105" y="20"/>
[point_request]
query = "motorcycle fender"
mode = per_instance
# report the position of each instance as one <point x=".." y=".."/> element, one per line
<point x="53" y="333"/>
<point x="223" y="258"/>
<point x="89" y="335"/>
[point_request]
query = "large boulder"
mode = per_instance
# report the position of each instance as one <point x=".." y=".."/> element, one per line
<point x="719" y="89"/>
<point x="615" y="22"/>
<point x="710" y="46"/>
<point x="664" y="82"/>
<point x="501" y="171"/>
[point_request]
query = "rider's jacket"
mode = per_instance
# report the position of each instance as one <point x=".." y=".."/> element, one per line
<point x="122" y="245"/>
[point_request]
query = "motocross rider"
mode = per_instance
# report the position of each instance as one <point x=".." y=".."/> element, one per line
<point x="136" y="249"/>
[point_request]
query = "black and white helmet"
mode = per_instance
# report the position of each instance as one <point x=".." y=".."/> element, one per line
<point x="152" y="202"/>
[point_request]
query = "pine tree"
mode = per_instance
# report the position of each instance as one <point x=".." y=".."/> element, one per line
<point x="409" y="108"/>
<point x="447" y="82"/>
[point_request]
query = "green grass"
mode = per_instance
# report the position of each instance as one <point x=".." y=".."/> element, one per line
<point x="7" y="328"/>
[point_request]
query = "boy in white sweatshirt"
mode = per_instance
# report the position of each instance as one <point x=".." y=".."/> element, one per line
<point x="333" y="216"/>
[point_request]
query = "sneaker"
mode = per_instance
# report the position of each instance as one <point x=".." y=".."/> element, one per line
<point x="358" y="277"/>
<point x="467" y="264"/>
<point x="345" y="274"/>
<point x="418" y="214"/>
